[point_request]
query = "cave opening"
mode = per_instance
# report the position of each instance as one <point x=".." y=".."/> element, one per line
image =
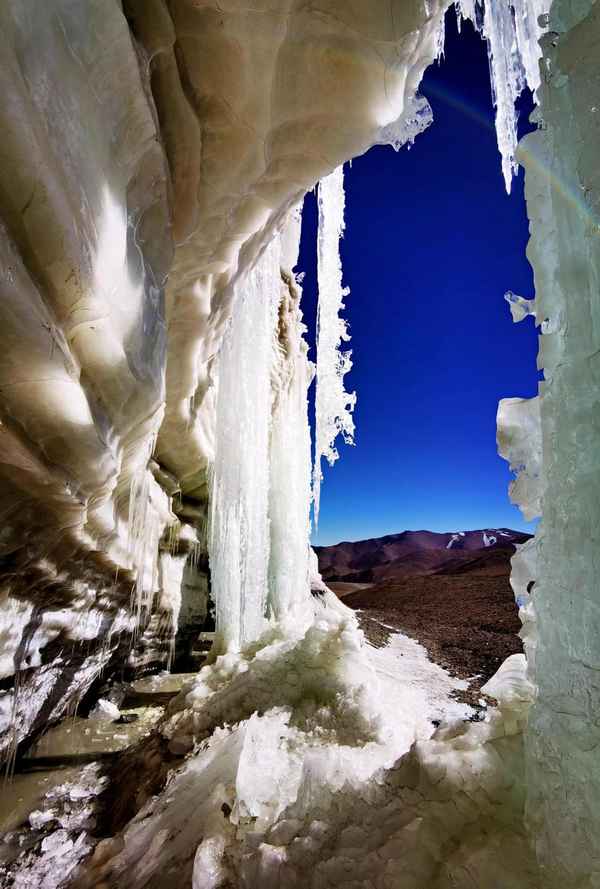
<point x="432" y="244"/>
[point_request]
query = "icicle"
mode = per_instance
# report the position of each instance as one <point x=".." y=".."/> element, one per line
<point x="529" y="31"/>
<point x="333" y="404"/>
<point x="415" y="118"/>
<point x="465" y="9"/>
<point x="508" y="80"/>
<point x="260" y="492"/>
<point x="239" y="526"/>
<point x="512" y="32"/>
<point x="144" y="535"/>
<point x="290" y="494"/>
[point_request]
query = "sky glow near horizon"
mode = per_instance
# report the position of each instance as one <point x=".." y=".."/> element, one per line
<point x="432" y="243"/>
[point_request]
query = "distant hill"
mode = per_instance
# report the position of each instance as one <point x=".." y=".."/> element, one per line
<point x="412" y="553"/>
<point x="449" y="591"/>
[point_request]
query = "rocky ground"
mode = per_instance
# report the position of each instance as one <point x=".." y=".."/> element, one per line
<point x="464" y="613"/>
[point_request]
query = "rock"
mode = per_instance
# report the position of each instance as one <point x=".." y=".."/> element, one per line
<point x="105" y="710"/>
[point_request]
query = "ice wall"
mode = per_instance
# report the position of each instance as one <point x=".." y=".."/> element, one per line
<point x="563" y="203"/>
<point x="84" y="251"/>
<point x="552" y="443"/>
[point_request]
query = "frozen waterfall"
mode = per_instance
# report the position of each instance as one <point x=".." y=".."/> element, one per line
<point x="239" y="519"/>
<point x="333" y="405"/>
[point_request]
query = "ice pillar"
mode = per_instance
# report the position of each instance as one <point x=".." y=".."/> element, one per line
<point x="290" y="492"/>
<point x="260" y="486"/>
<point x="239" y="524"/>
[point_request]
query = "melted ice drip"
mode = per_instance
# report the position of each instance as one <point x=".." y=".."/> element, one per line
<point x="239" y="525"/>
<point x="333" y="404"/>
<point x="512" y="32"/>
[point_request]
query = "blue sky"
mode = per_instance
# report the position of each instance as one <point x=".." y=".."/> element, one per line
<point x="432" y="243"/>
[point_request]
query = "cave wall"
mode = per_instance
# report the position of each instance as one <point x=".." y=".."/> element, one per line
<point x="85" y="249"/>
<point x="150" y="150"/>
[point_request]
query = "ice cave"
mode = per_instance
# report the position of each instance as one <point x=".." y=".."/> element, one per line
<point x="157" y="471"/>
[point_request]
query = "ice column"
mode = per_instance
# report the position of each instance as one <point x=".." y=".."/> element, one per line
<point x="239" y="520"/>
<point x="260" y="487"/>
<point x="290" y="493"/>
<point x="512" y="31"/>
<point x="333" y="405"/>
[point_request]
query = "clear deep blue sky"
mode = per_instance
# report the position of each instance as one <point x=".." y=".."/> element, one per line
<point x="432" y="244"/>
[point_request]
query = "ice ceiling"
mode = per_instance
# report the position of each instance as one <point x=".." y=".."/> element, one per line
<point x="154" y="157"/>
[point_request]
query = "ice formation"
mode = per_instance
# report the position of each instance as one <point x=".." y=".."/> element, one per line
<point x="519" y="442"/>
<point x="520" y="307"/>
<point x="298" y="775"/>
<point x="47" y="855"/>
<point x="148" y="160"/>
<point x="512" y="31"/>
<point x="333" y="405"/>
<point x="239" y="523"/>
<point x="260" y="491"/>
<point x="127" y="212"/>
<point x="290" y="466"/>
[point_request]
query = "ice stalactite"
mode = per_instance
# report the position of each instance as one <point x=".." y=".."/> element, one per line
<point x="239" y="523"/>
<point x="529" y="24"/>
<point x="290" y="494"/>
<point x="512" y="31"/>
<point x="149" y="514"/>
<point x="333" y="405"/>
<point x="261" y="480"/>
<point x="143" y="543"/>
<point x="507" y="80"/>
<point x="260" y="492"/>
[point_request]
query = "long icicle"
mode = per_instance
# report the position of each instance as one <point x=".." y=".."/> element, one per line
<point x="333" y="405"/>
<point x="512" y="31"/>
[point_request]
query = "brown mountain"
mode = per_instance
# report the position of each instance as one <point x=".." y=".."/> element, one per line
<point x="449" y="591"/>
<point x="413" y="553"/>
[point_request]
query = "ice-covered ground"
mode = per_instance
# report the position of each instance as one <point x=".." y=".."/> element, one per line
<point x="308" y="761"/>
<point x="413" y="690"/>
<point x="314" y="762"/>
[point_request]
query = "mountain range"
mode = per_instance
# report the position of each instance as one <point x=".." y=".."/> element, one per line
<point x="411" y="553"/>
